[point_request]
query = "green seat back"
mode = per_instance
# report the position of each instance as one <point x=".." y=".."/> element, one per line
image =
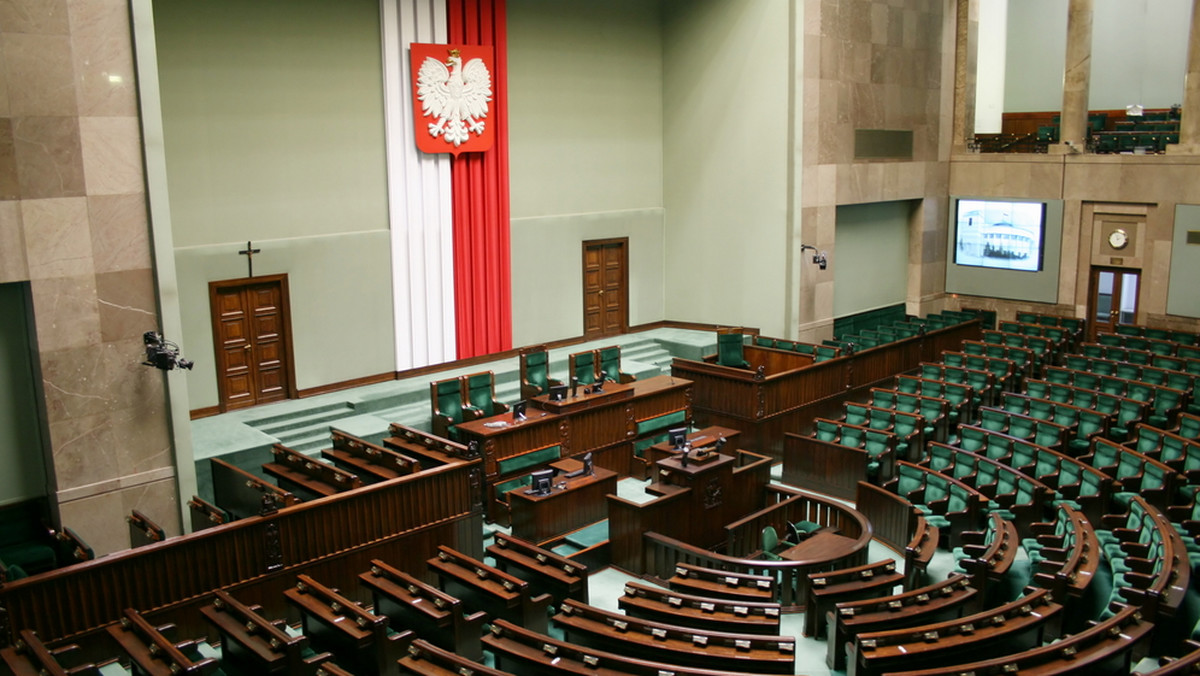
<point x="610" y="363"/>
<point x="529" y="460"/>
<point x="449" y="399"/>
<point x="537" y="370"/>
<point x="857" y="414"/>
<point x="852" y="437"/>
<point x="480" y="391"/>
<point x="827" y="431"/>
<point x="585" y="368"/>
<point x="731" y="350"/>
<point x="660" y="422"/>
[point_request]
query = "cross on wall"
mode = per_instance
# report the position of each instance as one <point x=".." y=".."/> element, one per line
<point x="249" y="252"/>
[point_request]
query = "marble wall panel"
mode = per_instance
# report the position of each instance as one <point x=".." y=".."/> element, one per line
<point x="57" y="240"/>
<point x="40" y="75"/>
<point x="66" y="313"/>
<point x="99" y="520"/>
<point x="49" y="157"/>
<point x="48" y="17"/>
<point x="103" y="62"/>
<point x="84" y="452"/>
<point x="10" y="188"/>
<point x="157" y="500"/>
<point x="118" y="230"/>
<point x="126" y="303"/>
<point x="13" y="267"/>
<point x="112" y="155"/>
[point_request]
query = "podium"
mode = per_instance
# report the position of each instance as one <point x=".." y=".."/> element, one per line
<point x="710" y="480"/>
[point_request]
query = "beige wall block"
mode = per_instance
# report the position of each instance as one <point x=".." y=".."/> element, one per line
<point x="48" y="17"/>
<point x="49" y="158"/>
<point x="119" y="232"/>
<point x="112" y="155"/>
<point x="66" y="313"/>
<point x="84" y="451"/>
<point x="103" y="58"/>
<point x="40" y="76"/>
<point x="13" y="267"/>
<point x="57" y="241"/>
<point x="10" y="188"/>
<point x="127" y="304"/>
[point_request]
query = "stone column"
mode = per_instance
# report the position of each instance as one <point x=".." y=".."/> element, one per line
<point x="965" y="52"/>
<point x="1189" y="123"/>
<point x="1076" y="79"/>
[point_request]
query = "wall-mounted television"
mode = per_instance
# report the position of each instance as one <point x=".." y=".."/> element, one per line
<point x="1002" y="234"/>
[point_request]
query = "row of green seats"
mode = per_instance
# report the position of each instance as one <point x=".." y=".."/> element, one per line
<point x="1144" y="343"/>
<point x="935" y="411"/>
<point x="1179" y="453"/>
<point x="1083" y="423"/>
<point x="1013" y="494"/>
<point x="1139" y="474"/>
<point x="1004" y="370"/>
<point x="819" y="352"/>
<point x="1180" y="337"/>
<point x="1124" y="412"/>
<point x="1041" y="432"/>
<point x="880" y="445"/>
<point x="908" y="427"/>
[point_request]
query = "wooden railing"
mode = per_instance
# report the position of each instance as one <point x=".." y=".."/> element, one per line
<point x="335" y="538"/>
<point x="660" y="553"/>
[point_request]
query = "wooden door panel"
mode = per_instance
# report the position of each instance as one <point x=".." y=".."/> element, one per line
<point x="605" y="292"/>
<point x="251" y="328"/>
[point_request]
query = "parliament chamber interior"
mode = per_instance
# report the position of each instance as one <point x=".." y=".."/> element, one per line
<point x="756" y="337"/>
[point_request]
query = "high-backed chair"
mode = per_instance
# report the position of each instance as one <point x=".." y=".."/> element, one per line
<point x="730" y="350"/>
<point x="583" y="367"/>
<point x="446" y="398"/>
<point x="535" y="372"/>
<point x="610" y="364"/>
<point x="481" y="396"/>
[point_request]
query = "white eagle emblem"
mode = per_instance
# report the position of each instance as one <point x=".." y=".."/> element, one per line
<point x="456" y="95"/>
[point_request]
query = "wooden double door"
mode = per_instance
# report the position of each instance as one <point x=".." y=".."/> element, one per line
<point x="252" y="335"/>
<point x="605" y="288"/>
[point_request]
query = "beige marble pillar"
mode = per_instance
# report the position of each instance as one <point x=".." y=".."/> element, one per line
<point x="966" y="46"/>
<point x="1189" y="123"/>
<point x="1076" y="78"/>
<point x="73" y="226"/>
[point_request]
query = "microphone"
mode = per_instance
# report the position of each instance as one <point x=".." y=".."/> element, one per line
<point x="574" y="386"/>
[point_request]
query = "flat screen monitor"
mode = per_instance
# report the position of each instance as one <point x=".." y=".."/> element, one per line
<point x="558" y="392"/>
<point x="518" y="410"/>
<point x="586" y="470"/>
<point x="677" y="436"/>
<point x="1007" y="235"/>
<point x="540" y="482"/>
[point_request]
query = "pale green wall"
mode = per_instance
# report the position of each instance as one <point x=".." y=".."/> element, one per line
<point x="726" y="153"/>
<point x="585" y="131"/>
<point x="21" y="453"/>
<point x="274" y="132"/>
<point x="273" y="116"/>
<point x="1182" y="296"/>
<point x="1139" y="53"/>
<point x="870" y="268"/>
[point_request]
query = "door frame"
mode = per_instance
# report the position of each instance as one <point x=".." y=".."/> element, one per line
<point x="624" y="242"/>
<point x="1093" y="287"/>
<point x="285" y="309"/>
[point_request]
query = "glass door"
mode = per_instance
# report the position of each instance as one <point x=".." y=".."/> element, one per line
<point x="1113" y="299"/>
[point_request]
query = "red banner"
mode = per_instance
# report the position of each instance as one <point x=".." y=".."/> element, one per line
<point x="453" y="97"/>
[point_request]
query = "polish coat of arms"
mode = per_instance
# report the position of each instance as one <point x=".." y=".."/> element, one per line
<point x="452" y="98"/>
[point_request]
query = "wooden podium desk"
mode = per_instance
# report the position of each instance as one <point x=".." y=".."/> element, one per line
<point x="821" y="546"/>
<point x="581" y="501"/>
<point x="605" y="422"/>
<point x="706" y="437"/>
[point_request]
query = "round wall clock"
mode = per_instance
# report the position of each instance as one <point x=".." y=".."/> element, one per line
<point x="1118" y="239"/>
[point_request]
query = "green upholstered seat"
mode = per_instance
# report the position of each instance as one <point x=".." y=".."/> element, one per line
<point x="610" y="364"/>
<point x="731" y="350"/>
<point x="662" y="422"/>
<point x="583" y="367"/>
<point x="448" y="408"/>
<point x="529" y="460"/>
<point x="589" y="536"/>
<point x="535" y="373"/>
<point x="481" y="395"/>
<point x="827" y="431"/>
<point x="857" y="414"/>
<point x="770" y="542"/>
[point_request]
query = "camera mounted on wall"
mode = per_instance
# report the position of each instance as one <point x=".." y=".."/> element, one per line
<point x="820" y="258"/>
<point x="163" y="354"/>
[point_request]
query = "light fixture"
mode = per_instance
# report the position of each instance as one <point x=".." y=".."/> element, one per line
<point x="821" y="258"/>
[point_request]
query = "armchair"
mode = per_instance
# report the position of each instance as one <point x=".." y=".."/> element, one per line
<point x="481" y="396"/>
<point x="730" y="349"/>
<point x="535" y="372"/>
<point x="610" y="365"/>
<point x="446" y="398"/>
<point x="583" y="367"/>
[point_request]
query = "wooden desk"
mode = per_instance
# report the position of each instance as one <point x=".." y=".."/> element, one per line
<point x="584" y="398"/>
<point x="824" y="544"/>
<point x="603" y="423"/>
<point x="702" y="438"/>
<point x="579" y="502"/>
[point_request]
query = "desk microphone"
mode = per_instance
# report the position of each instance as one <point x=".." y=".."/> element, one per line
<point x="574" y="386"/>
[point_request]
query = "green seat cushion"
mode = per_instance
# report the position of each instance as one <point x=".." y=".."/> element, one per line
<point x="529" y="459"/>
<point x="662" y="421"/>
<point x="30" y="556"/>
<point x="589" y="536"/>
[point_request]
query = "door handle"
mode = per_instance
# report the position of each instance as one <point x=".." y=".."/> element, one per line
<point x="247" y="346"/>
<point x="601" y="292"/>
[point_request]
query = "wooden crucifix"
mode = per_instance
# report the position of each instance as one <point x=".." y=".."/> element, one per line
<point x="249" y="252"/>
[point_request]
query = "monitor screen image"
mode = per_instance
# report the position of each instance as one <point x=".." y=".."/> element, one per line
<point x="558" y="392"/>
<point x="518" y="410"/>
<point x="1000" y="234"/>
<point x="540" y="482"/>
